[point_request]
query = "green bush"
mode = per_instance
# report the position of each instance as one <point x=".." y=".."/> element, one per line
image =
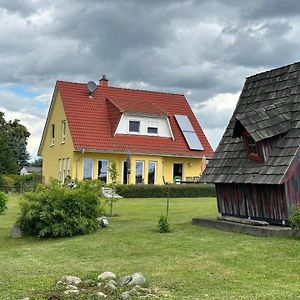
<point x="3" y="201"/>
<point x="295" y="218"/>
<point x="160" y="191"/>
<point x="163" y="225"/>
<point x="55" y="211"/>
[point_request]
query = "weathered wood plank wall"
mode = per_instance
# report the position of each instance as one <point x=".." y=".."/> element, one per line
<point x="257" y="201"/>
<point x="292" y="182"/>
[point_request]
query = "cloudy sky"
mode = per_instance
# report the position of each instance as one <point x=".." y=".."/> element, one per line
<point x="203" y="49"/>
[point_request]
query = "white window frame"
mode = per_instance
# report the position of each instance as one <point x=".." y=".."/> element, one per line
<point x="107" y="176"/>
<point x="92" y="169"/>
<point x="63" y="131"/>
<point x="60" y="169"/>
<point x="143" y="171"/>
<point x="52" y="134"/>
<point x="134" y="132"/>
<point x="155" y="170"/>
<point x="152" y="133"/>
<point x="68" y="167"/>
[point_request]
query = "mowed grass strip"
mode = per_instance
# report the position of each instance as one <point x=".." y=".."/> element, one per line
<point x="191" y="262"/>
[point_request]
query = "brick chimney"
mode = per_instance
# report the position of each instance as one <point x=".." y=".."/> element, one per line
<point x="103" y="81"/>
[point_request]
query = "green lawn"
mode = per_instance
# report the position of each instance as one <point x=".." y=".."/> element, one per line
<point x="191" y="262"/>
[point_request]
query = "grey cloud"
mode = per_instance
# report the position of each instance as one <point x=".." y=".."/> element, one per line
<point x="203" y="48"/>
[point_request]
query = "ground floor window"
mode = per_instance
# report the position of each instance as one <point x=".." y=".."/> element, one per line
<point x="139" y="172"/>
<point x="87" y="168"/>
<point x="125" y="172"/>
<point x="151" y="172"/>
<point x="103" y="170"/>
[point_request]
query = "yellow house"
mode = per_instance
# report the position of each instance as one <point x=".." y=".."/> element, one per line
<point x="152" y="136"/>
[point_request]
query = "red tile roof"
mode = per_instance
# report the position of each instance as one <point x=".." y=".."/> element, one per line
<point x="142" y="106"/>
<point x="92" y="121"/>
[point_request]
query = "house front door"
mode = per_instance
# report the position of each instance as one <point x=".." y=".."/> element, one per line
<point x="177" y="170"/>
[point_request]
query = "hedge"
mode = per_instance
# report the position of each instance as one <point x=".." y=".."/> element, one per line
<point x="19" y="183"/>
<point x="160" y="191"/>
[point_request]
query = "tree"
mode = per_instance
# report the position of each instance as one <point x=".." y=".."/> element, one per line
<point x="113" y="175"/>
<point x="8" y="163"/>
<point x="19" y="135"/>
<point x="13" y="143"/>
<point x="37" y="162"/>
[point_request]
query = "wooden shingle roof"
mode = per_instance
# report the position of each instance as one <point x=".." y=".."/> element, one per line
<point x="269" y="105"/>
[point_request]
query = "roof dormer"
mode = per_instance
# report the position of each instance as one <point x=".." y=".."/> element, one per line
<point x="262" y="128"/>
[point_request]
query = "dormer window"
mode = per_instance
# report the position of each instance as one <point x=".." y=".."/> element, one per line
<point x="251" y="147"/>
<point x="152" y="130"/>
<point x="134" y="126"/>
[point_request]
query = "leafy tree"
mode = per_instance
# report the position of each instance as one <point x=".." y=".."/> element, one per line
<point x="113" y="175"/>
<point x="37" y="162"/>
<point x="13" y="143"/>
<point x="19" y="135"/>
<point x="7" y="160"/>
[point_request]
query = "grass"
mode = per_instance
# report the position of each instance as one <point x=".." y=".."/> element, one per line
<point x="191" y="262"/>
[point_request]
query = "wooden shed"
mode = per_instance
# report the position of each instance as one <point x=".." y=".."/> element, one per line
<point x="256" y="167"/>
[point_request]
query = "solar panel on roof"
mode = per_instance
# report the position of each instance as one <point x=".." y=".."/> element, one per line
<point x="184" y="123"/>
<point x="188" y="132"/>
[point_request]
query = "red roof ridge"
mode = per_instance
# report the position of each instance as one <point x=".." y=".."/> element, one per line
<point x="122" y="88"/>
<point x="114" y="103"/>
<point x="148" y="91"/>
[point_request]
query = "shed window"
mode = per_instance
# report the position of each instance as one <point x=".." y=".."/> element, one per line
<point x="134" y="126"/>
<point x="251" y="147"/>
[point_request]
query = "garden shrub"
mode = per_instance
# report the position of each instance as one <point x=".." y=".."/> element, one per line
<point x="163" y="225"/>
<point x="295" y="218"/>
<point x="161" y="191"/>
<point x="55" y="211"/>
<point x="3" y="201"/>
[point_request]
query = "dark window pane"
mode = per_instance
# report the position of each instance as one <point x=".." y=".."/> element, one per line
<point x="151" y="172"/>
<point x="139" y="170"/>
<point x="251" y="145"/>
<point x="134" y="126"/>
<point x="102" y="170"/>
<point x="153" y="130"/>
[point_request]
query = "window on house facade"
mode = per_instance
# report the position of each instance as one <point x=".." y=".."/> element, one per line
<point x="151" y="172"/>
<point x="152" y="130"/>
<point x="88" y="168"/>
<point x="63" y="131"/>
<point x="68" y="167"/>
<point x="103" y="170"/>
<point x="64" y="171"/>
<point x="139" y="172"/>
<point x="134" y="126"/>
<point x="251" y="147"/>
<point x="52" y="134"/>
<point x="60" y="170"/>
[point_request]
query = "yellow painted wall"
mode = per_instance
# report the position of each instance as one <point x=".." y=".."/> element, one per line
<point x="51" y="153"/>
<point x="164" y="166"/>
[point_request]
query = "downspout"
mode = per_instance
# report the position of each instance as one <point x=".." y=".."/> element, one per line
<point x="77" y="162"/>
